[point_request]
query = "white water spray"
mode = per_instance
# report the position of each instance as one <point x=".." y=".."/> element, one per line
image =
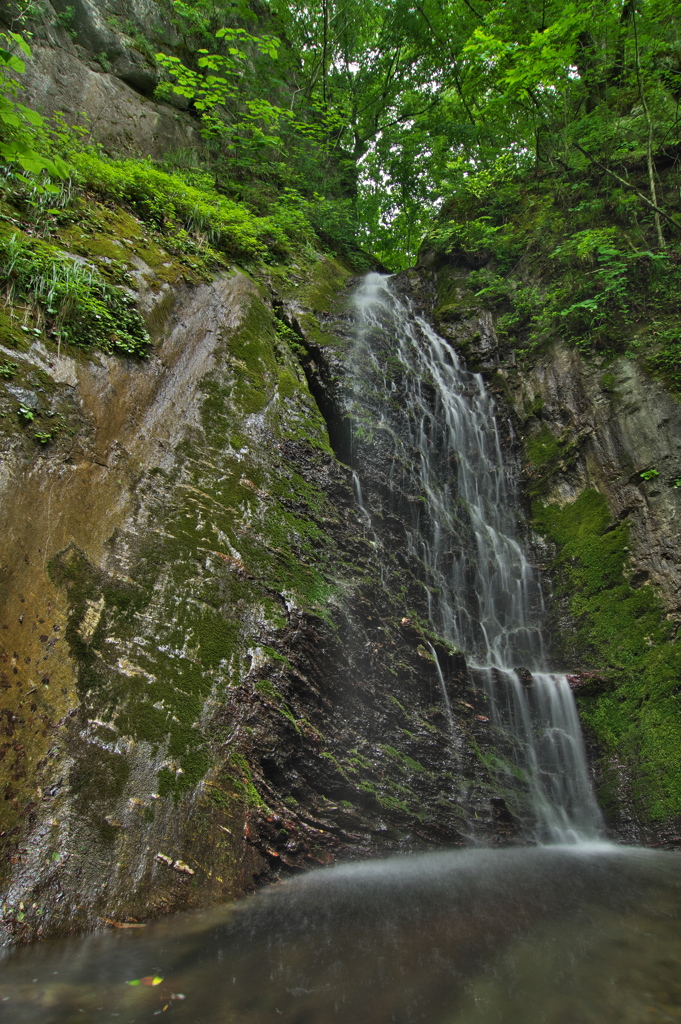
<point x="483" y="594"/>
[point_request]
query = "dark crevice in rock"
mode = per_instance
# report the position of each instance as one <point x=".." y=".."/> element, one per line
<point x="324" y="388"/>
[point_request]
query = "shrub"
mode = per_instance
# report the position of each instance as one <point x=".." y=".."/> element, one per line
<point x="79" y="305"/>
<point x="159" y="198"/>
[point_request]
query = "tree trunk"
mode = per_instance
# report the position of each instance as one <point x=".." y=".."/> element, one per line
<point x="649" y="125"/>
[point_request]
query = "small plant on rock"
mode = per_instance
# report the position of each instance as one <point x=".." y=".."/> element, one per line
<point x="8" y="370"/>
<point x="81" y="307"/>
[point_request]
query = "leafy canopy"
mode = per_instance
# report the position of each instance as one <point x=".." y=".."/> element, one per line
<point x="432" y="91"/>
<point x="386" y="110"/>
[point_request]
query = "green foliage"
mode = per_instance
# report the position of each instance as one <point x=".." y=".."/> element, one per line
<point x="595" y="249"/>
<point x="8" y="370"/>
<point x="264" y="151"/>
<point x="663" y="356"/>
<point x="19" y="125"/>
<point x="229" y="113"/>
<point x="161" y="198"/>
<point x="65" y="19"/>
<point x="562" y="257"/>
<point x="428" y="94"/>
<point x="387" y="110"/>
<point x="623" y="630"/>
<point x="476" y="241"/>
<point x="222" y="72"/>
<point x="80" y="307"/>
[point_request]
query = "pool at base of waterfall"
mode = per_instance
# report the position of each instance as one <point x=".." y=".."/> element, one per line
<point x="541" y="935"/>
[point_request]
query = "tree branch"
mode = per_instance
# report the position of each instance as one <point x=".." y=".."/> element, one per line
<point x="452" y="57"/>
<point x="623" y="181"/>
<point x="473" y="10"/>
<point x="649" y="123"/>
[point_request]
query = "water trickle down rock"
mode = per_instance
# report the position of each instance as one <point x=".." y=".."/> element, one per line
<point x="483" y="595"/>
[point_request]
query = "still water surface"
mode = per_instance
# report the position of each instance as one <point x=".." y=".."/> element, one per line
<point x="562" y="935"/>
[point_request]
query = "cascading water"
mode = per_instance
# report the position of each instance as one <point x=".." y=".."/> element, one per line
<point x="483" y="594"/>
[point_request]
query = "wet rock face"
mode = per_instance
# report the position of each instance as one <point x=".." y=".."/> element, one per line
<point x="202" y="665"/>
<point x="207" y="677"/>
<point x="616" y="433"/>
<point x="625" y="434"/>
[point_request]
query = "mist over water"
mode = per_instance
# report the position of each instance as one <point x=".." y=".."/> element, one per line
<point x="484" y="595"/>
<point x="559" y="935"/>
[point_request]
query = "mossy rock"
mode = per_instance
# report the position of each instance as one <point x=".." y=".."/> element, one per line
<point x="622" y="632"/>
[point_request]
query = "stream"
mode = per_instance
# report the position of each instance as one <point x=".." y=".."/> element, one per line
<point x="570" y="931"/>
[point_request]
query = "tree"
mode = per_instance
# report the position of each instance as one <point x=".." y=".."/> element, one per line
<point x="389" y="105"/>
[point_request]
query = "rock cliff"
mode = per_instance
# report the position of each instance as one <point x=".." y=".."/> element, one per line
<point x="207" y="677"/>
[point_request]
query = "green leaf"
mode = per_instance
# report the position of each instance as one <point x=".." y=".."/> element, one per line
<point x="21" y="43"/>
<point x="32" y="116"/>
<point x="16" y="64"/>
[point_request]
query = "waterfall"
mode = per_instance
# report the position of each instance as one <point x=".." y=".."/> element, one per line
<point x="483" y="594"/>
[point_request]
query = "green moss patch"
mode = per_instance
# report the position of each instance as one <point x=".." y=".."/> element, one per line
<point x="546" y="454"/>
<point x="543" y="448"/>
<point x="328" y="279"/>
<point x="160" y="698"/>
<point x="622" y="632"/>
